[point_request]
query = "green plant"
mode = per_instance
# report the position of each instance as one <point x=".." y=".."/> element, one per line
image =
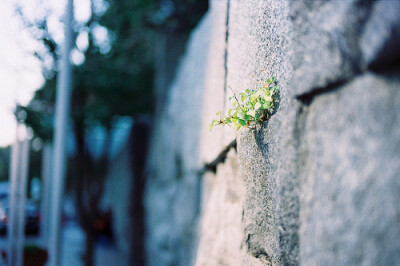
<point x="254" y="106"/>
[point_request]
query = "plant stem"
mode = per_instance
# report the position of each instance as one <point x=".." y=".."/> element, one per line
<point x="234" y="95"/>
<point x="251" y="120"/>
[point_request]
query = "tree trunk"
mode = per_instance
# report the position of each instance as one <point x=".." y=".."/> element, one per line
<point x="89" y="176"/>
<point x="138" y="147"/>
<point x="89" y="248"/>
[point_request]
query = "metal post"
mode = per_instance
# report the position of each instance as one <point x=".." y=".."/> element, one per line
<point x="45" y="206"/>
<point x="61" y="123"/>
<point x="12" y="247"/>
<point x="19" y="176"/>
<point x="22" y="197"/>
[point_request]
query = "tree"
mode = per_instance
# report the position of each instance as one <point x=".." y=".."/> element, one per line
<point x="111" y="82"/>
<point x="115" y="79"/>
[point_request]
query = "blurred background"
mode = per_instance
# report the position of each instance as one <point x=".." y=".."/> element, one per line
<point x="116" y="49"/>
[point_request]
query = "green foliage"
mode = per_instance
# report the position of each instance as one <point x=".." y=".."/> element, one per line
<point x="177" y="16"/>
<point x="251" y="107"/>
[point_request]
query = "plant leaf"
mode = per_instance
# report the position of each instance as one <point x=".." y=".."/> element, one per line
<point x="242" y="123"/>
<point x="252" y="112"/>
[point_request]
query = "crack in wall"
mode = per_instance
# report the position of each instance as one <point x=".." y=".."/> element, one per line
<point x="308" y="97"/>
<point x="302" y="113"/>
<point x="212" y="166"/>
<point x="226" y="52"/>
<point x="257" y="252"/>
<point x="301" y="155"/>
<point x="385" y="69"/>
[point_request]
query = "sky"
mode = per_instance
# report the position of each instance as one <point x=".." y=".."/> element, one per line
<point x="20" y="70"/>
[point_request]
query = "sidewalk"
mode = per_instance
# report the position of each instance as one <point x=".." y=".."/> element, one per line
<point x="73" y="247"/>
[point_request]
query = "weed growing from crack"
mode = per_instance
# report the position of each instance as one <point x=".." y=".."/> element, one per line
<point x="251" y="107"/>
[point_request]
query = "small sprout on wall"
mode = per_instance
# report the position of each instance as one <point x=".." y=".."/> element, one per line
<point x="251" y="107"/>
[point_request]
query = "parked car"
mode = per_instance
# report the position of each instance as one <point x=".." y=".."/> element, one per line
<point x="32" y="216"/>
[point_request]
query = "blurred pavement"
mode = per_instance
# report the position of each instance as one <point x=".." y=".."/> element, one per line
<point x="74" y="245"/>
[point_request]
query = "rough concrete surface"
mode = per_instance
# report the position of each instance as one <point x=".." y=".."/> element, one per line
<point x="211" y="142"/>
<point x="172" y="196"/>
<point x="324" y="47"/>
<point x="381" y="35"/>
<point x="315" y="185"/>
<point x="349" y="211"/>
<point x="261" y="236"/>
<point x="220" y="233"/>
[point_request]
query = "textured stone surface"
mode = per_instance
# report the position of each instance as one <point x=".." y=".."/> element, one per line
<point x="211" y="142"/>
<point x="350" y="177"/>
<point x="258" y="37"/>
<point x="221" y="235"/>
<point x="261" y="236"/>
<point x="172" y="197"/>
<point x="258" y="47"/>
<point x="317" y="184"/>
<point x="282" y="138"/>
<point x="380" y="41"/>
<point x="324" y="47"/>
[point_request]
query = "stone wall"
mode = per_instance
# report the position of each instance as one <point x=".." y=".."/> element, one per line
<point x="318" y="184"/>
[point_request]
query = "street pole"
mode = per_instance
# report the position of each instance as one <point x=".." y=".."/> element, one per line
<point x="63" y="99"/>
<point x="12" y="243"/>
<point x="23" y="178"/>
<point x="19" y="177"/>
<point x="45" y="207"/>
